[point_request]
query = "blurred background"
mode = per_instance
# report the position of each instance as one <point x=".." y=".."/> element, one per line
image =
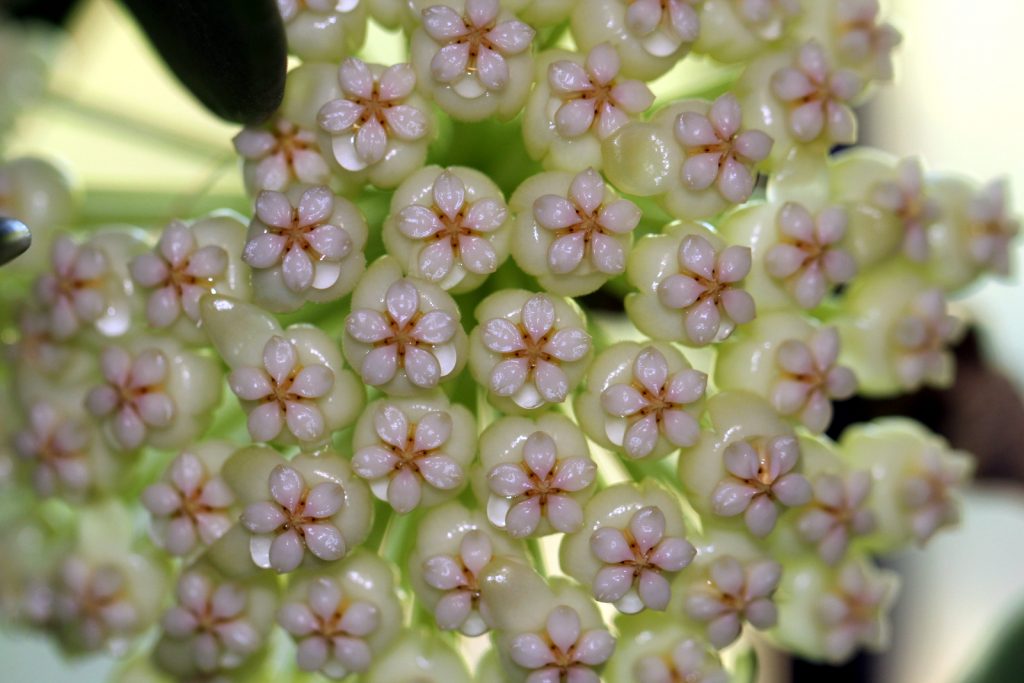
<point x="117" y="120"/>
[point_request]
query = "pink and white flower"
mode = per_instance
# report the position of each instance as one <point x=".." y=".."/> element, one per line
<point x="74" y="293"/>
<point x="810" y="379"/>
<point x="636" y="561"/>
<point x="410" y="453"/>
<point x="59" y="449"/>
<point x="458" y="577"/>
<point x="863" y="42"/>
<point x="331" y="628"/>
<point x="817" y="98"/>
<point x="297" y="519"/>
<point x="191" y="505"/>
<point x="584" y="226"/>
<point x="992" y="227"/>
<point x="760" y="477"/>
<point x="735" y="592"/>
<point x="837" y="513"/>
<point x="718" y="151"/>
<point x="689" y="660"/>
<point x="562" y="651"/>
<point x="907" y="199"/>
<point x="302" y="242"/>
<point x="527" y="350"/>
<point x="280" y="156"/>
<point x="375" y="113"/>
<point x="404" y="339"/>
<point x="767" y="17"/>
<point x="214" y="619"/>
<point x="662" y="27"/>
<point x="456" y="227"/>
<point x="593" y="98"/>
<point x="853" y="612"/>
<point x="94" y="603"/>
<point x="704" y="291"/>
<point x="181" y="272"/>
<point x="929" y="492"/>
<point x="286" y="392"/>
<point x="539" y="486"/>
<point x="653" y="404"/>
<point x="808" y="257"/>
<point x="133" y="396"/>
<point x="473" y="48"/>
<point x="922" y="337"/>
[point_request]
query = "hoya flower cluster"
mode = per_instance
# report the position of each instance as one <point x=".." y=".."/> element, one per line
<point x="380" y="415"/>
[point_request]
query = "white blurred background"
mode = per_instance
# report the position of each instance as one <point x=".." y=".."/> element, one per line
<point x="958" y="103"/>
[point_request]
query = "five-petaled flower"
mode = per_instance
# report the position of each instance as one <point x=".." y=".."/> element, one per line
<point x="689" y="661"/>
<point x="863" y="42"/>
<point x="583" y="225"/>
<point x="593" y="99"/>
<point x="817" y="97"/>
<point x="636" y="560"/>
<point x="808" y="258"/>
<point x="405" y="339"/>
<point x="921" y="338"/>
<point x="93" y="602"/>
<point x="475" y="46"/>
<point x="759" y="476"/>
<point x="73" y="294"/>
<point x="718" y="152"/>
<point x="538" y="487"/>
<point x="180" y="272"/>
<point x="458" y="576"/>
<point x="297" y="519"/>
<point x="705" y="289"/>
<point x="190" y="506"/>
<point x="663" y="25"/>
<point x="214" y="620"/>
<point x="991" y="228"/>
<point x="654" y="404"/>
<point x="906" y="197"/>
<point x="735" y="592"/>
<point x="407" y="456"/>
<point x="280" y="156"/>
<point x="59" y="449"/>
<point x="563" y="651"/>
<point x="928" y="493"/>
<point x="286" y="392"/>
<point x="373" y="114"/>
<point x="853" y="611"/>
<point x="298" y="240"/>
<point x="809" y="379"/>
<point x="530" y="352"/>
<point x="331" y="628"/>
<point x="133" y="396"/>
<point x="455" y="230"/>
<point x="837" y="512"/>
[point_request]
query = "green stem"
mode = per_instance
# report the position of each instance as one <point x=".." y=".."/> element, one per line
<point x="400" y="538"/>
<point x="382" y="518"/>
<point x="536" y="554"/>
